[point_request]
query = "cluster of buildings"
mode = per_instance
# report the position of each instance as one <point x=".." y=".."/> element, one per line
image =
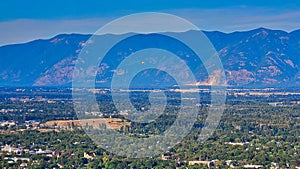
<point x="211" y="163"/>
<point x="28" y="123"/>
<point x="8" y="123"/>
<point x="14" y="154"/>
<point x="10" y="150"/>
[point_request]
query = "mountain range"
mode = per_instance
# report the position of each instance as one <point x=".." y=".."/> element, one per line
<point x="259" y="57"/>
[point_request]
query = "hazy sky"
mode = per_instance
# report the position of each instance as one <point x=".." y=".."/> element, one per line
<point x="22" y="21"/>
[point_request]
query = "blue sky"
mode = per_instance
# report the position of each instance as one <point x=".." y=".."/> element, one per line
<point x="22" y="21"/>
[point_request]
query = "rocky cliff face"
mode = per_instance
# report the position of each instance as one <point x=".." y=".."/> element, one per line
<point x="259" y="57"/>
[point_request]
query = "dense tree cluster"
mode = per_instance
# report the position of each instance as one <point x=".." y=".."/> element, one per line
<point x="251" y="132"/>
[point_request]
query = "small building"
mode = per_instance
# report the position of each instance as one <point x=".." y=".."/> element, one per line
<point x="48" y="153"/>
<point x="8" y="123"/>
<point x="209" y="164"/>
<point x="88" y="155"/>
<point x="237" y="144"/>
<point x="23" y="165"/>
<point x="275" y="104"/>
<point x="15" y="159"/>
<point x="60" y="165"/>
<point x="165" y="157"/>
<point x="253" y="166"/>
<point x="10" y="149"/>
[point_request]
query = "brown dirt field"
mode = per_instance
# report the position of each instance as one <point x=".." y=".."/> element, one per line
<point x="114" y="123"/>
<point x="48" y="130"/>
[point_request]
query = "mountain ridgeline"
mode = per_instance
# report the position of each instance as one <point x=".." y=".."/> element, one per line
<point x="259" y="57"/>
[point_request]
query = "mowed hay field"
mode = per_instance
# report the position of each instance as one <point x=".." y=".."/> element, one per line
<point x="114" y="123"/>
